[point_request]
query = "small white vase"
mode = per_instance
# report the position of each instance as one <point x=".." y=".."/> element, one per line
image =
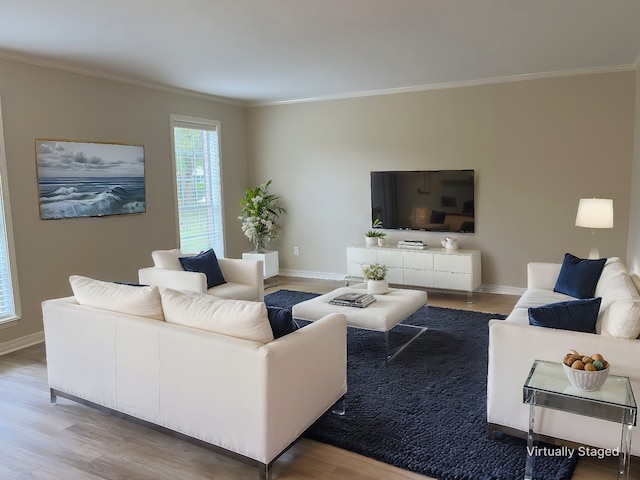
<point x="377" y="287"/>
<point x="381" y="242"/>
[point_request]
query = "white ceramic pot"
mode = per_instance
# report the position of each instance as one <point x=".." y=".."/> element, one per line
<point x="381" y="242"/>
<point x="377" y="287"/>
<point x="371" y="240"/>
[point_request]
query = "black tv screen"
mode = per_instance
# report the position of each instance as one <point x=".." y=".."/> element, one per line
<point x="430" y="200"/>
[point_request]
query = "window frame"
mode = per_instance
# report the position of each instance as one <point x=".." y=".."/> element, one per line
<point x="7" y="234"/>
<point x="185" y="121"/>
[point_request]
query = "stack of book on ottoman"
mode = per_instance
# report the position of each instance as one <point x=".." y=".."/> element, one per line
<point x="353" y="299"/>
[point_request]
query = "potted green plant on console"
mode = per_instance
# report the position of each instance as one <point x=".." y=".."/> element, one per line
<point x="375" y="275"/>
<point x="375" y="236"/>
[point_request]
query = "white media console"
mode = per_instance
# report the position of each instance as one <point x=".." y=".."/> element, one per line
<point x="429" y="268"/>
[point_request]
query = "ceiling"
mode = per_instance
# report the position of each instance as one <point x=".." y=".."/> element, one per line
<point x="257" y="52"/>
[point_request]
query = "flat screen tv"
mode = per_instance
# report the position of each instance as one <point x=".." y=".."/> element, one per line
<point x="429" y="200"/>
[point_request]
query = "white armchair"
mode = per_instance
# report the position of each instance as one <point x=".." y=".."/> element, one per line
<point x="244" y="278"/>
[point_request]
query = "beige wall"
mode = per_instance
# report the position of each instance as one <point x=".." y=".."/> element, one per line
<point x="633" y="249"/>
<point x="537" y="147"/>
<point x="45" y="103"/>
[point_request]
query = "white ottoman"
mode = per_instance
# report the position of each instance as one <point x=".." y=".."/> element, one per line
<point x="385" y="313"/>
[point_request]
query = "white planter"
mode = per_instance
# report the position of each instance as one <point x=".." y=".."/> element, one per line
<point x="371" y="240"/>
<point x="377" y="287"/>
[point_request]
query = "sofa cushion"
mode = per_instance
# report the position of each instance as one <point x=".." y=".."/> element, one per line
<point x="207" y="263"/>
<point x="620" y="312"/>
<point x="143" y="301"/>
<point x="609" y="285"/>
<point x="235" y="318"/>
<point x="236" y="291"/>
<point x="578" y="276"/>
<point x="281" y="320"/>
<point x="167" y="259"/>
<point x="535" y="297"/>
<point x="578" y="315"/>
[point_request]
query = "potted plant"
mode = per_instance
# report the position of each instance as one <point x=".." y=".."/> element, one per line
<point x="372" y="237"/>
<point x="260" y="210"/>
<point x="375" y="275"/>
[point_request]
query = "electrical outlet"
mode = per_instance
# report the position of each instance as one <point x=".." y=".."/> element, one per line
<point x="296" y="251"/>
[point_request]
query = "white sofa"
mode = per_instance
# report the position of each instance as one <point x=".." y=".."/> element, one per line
<point x="514" y="345"/>
<point x="244" y="278"/>
<point x="244" y="397"/>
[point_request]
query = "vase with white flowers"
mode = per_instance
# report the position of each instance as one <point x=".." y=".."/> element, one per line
<point x="260" y="211"/>
<point x="375" y="275"/>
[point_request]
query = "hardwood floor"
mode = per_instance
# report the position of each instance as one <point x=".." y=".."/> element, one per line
<point x="39" y="441"/>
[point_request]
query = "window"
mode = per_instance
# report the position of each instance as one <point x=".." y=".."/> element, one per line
<point x="9" y="304"/>
<point x="198" y="187"/>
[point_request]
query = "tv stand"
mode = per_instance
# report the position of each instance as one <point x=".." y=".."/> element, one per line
<point x="458" y="270"/>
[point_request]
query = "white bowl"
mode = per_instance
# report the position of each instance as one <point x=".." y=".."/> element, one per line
<point x="584" y="379"/>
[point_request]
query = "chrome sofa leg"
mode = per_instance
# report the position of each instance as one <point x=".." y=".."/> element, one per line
<point x="265" y="472"/>
<point x="340" y="407"/>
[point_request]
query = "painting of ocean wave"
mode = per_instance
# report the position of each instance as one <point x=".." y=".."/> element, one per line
<point x="89" y="179"/>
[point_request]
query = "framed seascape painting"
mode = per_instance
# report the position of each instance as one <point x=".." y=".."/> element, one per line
<point x="83" y="179"/>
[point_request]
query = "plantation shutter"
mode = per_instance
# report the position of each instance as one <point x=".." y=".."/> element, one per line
<point x="8" y="288"/>
<point x="198" y="184"/>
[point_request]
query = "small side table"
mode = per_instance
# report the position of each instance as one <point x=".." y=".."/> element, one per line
<point x="270" y="263"/>
<point x="547" y="386"/>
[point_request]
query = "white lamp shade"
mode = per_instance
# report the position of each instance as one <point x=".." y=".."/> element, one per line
<point x="595" y="213"/>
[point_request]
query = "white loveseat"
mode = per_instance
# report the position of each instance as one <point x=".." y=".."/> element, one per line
<point x="244" y="278"/>
<point x="250" y="398"/>
<point x="514" y="345"/>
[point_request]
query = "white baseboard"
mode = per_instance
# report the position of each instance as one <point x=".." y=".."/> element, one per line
<point x="317" y="275"/>
<point x="501" y="290"/>
<point x="497" y="289"/>
<point x="22" y="342"/>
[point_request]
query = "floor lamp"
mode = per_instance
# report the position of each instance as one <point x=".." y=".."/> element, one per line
<point x="595" y="213"/>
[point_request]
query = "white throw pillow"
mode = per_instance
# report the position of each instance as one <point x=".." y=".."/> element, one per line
<point x="168" y="259"/>
<point x="621" y="316"/>
<point x="236" y="318"/>
<point x="139" y="301"/>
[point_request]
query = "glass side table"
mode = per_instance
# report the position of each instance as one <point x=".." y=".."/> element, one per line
<point x="547" y="386"/>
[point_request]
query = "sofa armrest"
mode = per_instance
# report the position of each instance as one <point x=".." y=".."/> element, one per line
<point x="176" y="279"/>
<point x="307" y="374"/>
<point x="542" y="275"/>
<point x="513" y="347"/>
<point x="251" y="398"/>
<point x="246" y="272"/>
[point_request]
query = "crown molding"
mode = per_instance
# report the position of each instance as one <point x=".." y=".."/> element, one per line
<point x="46" y="63"/>
<point x="447" y="85"/>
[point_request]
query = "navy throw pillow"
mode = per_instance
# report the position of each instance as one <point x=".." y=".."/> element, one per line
<point x="132" y="284"/>
<point x="281" y="321"/>
<point x="577" y="315"/>
<point x="578" y="276"/>
<point x="207" y="263"/>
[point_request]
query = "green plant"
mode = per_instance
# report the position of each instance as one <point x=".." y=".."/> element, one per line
<point x="376" y="233"/>
<point x="374" y="271"/>
<point x="260" y="210"/>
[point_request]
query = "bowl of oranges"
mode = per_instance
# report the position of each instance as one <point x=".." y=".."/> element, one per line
<point x="586" y="373"/>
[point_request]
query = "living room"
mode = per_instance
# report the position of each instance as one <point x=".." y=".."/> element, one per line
<point x="537" y="146"/>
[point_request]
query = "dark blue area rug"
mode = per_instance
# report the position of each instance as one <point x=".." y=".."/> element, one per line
<point x="426" y="410"/>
